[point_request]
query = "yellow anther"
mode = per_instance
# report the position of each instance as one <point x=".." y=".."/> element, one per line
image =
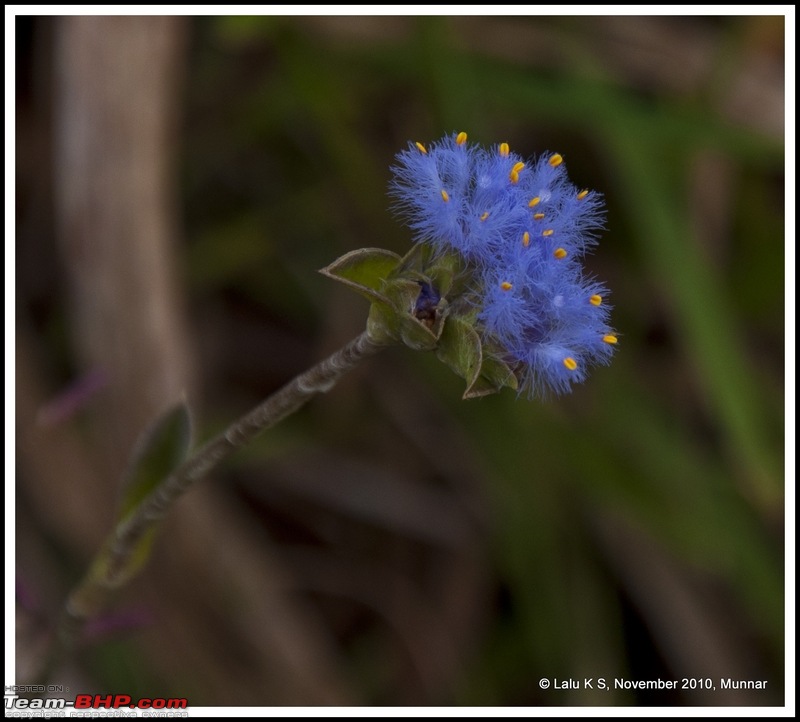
<point x="506" y="286"/>
<point x="533" y="202"/>
<point x="610" y="338"/>
<point x="560" y="253"/>
<point x="570" y="363"/>
<point x="421" y="148"/>
<point x="582" y="195"/>
<point x="504" y="150"/>
<point x="526" y="239"/>
<point x="595" y="300"/>
<point x="518" y="167"/>
<point x="461" y="138"/>
<point x="514" y="176"/>
<point x="555" y="160"/>
<point x="548" y="232"/>
<point x="445" y="197"/>
<point x="538" y="216"/>
<point x="485" y="215"/>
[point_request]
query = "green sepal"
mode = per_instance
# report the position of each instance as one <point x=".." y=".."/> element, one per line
<point x="415" y="262"/>
<point x="393" y="284"/>
<point x="460" y="347"/>
<point x="161" y="448"/>
<point x="446" y="275"/>
<point x="364" y="270"/>
<point x="386" y="325"/>
<point x="494" y="375"/>
<point x="421" y="264"/>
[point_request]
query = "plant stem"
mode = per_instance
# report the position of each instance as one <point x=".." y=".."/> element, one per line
<point x="113" y="565"/>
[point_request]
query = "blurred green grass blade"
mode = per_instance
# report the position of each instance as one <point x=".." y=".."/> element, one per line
<point x="324" y="98"/>
<point x="644" y="463"/>
<point x="592" y="105"/>
<point x="598" y="646"/>
<point x="649" y="465"/>
<point x="531" y="548"/>
<point x="637" y="462"/>
<point x="453" y="92"/>
<point x="597" y="106"/>
<point x="705" y="324"/>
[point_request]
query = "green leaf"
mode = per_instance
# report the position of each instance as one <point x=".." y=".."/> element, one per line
<point x="159" y="450"/>
<point x="113" y="575"/>
<point x="364" y="270"/>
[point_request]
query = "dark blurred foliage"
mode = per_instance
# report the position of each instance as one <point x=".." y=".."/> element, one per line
<point x="392" y="544"/>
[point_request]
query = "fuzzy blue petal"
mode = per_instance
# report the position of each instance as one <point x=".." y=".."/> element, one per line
<point x="522" y="229"/>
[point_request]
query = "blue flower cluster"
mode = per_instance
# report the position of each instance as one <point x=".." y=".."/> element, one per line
<point x="522" y="229"/>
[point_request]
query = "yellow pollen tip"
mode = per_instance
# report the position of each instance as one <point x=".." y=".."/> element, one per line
<point x="485" y="215"/>
<point x="514" y="176"/>
<point x="570" y="363"/>
<point x="504" y="149"/>
<point x="506" y="286"/>
<point x="548" y="232"/>
<point x="445" y="197"/>
<point x="595" y="300"/>
<point x="560" y="253"/>
<point x="533" y="202"/>
<point x="526" y="239"/>
<point x="518" y="167"/>
<point x="582" y="195"/>
<point x="421" y="148"/>
<point x="461" y="138"/>
<point x="555" y="160"/>
<point x="610" y="338"/>
<point x="538" y="216"/>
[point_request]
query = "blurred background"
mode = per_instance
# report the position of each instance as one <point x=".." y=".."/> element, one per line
<point x="179" y="183"/>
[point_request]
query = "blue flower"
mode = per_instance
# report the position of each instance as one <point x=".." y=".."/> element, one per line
<point x="521" y="229"/>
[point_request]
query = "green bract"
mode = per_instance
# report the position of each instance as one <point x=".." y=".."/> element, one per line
<point x="393" y="285"/>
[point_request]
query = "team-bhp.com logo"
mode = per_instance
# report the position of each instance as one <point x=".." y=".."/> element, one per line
<point x="94" y="701"/>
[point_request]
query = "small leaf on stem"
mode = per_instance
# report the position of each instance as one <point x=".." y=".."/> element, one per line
<point x="159" y="450"/>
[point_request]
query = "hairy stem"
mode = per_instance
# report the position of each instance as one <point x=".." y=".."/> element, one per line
<point x="114" y="563"/>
